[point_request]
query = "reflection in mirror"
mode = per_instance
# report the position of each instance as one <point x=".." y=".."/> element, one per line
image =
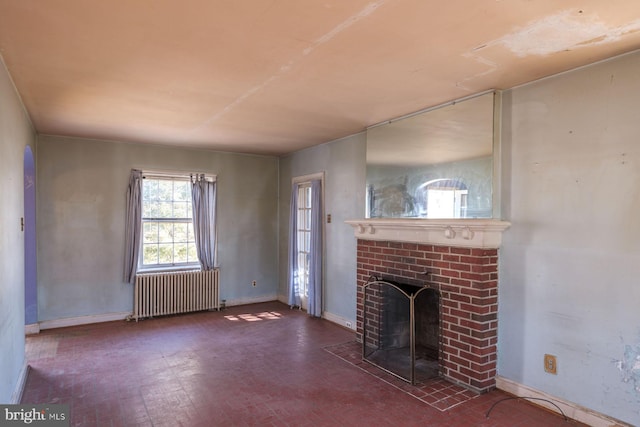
<point x="436" y="164"/>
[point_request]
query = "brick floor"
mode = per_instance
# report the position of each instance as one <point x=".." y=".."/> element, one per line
<point x="254" y="365"/>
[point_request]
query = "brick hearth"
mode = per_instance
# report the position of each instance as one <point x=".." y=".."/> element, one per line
<point x="467" y="280"/>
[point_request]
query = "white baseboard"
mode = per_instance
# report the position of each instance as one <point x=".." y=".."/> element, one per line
<point x="16" y="397"/>
<point x="254" y="300"/>
<point x="342" y="321"/>
<point x="83" y="320"/>
<point x="570" y="409"/>
<point x="32" y="329"/>
<point x="110" y="317"/>
<point x="334" y="318"/>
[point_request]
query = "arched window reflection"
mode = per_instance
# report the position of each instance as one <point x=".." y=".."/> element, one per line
<point x="442" y="198"/>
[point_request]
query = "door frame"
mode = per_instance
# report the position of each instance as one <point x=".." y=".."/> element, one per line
<point x="30" y="243"/>
<point x="304" y="179"/>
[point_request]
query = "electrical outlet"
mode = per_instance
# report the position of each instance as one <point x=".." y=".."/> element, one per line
<point x="254" y="283"/>
<point x="347" y="324"/>
<point x="550" y="364"/>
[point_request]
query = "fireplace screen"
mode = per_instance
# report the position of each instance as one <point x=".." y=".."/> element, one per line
<point x="401" y="329"/>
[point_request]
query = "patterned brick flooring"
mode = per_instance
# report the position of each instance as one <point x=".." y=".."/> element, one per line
<point x="255" y="365"/>
<point x="436" y="392"/>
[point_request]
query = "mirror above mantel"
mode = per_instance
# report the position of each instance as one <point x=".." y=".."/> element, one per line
<point x="441" y="163"/>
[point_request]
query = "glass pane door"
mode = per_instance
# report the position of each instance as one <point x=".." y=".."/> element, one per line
<point x="304" y="239"/>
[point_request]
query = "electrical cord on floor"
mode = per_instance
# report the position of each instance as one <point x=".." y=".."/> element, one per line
<point x="524" y="397"/>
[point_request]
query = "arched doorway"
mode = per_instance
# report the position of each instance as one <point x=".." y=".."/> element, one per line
<point x="29" y="226"/>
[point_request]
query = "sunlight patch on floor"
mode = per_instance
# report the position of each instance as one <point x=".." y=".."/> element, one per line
<point x="255" y="317"/>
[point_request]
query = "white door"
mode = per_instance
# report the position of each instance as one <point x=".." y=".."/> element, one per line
<point x="304" y="240"/>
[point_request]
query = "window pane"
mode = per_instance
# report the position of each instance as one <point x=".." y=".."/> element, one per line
<point x="150" y="254"/>
<point x="164" y="210"/>
<point x="165" y="232"/>
<point x="180" y="232"/>
<point x="165" y="192"/>
<point x="165" y="253"/>
<point x="150" y="210"/>
<point x="307" y="220"/>
<point x="180" y="252"/>
<point x="181" y="210"/>
<point x="150" y="232"/>
<point x="307" y="197"/>
<point x="150" y="189"/>
<point x="192" y="253"/>
<point x="182" y="191"/>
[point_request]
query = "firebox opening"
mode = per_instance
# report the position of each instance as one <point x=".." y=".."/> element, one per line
<point x="402" y="329"/>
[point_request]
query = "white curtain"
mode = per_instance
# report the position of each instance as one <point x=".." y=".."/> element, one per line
<point x="132" y="225"/>
<point x="294" y="279"/>
<point x="203" y="197"/>
<point x="315" y="262"/>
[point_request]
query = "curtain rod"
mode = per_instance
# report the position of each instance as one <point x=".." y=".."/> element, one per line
<point x="435" y="107"/>
<point x="176" y="174"/>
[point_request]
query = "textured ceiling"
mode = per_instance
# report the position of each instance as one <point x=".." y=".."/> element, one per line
<point x="272" y="77"/>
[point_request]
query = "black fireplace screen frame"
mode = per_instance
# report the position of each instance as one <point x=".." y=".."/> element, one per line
<point x="385" y="303"/>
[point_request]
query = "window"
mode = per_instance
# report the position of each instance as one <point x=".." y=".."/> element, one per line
<point x="303" y="234"/>
<point x="443" y="198"/>
<point x="167" y="227"/>
<point x="306" y="236"/>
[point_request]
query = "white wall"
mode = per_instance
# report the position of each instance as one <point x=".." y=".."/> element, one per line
<point x="343" y="162"/>
<point x="570" y="263"/>
<point x="15" y="134"/>
<point x="81" y="208"/>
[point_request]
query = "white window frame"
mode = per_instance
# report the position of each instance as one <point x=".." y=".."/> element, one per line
<point x="146" y="268"/>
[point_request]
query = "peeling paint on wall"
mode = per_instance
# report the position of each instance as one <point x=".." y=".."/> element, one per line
<point x="629" y="366"/>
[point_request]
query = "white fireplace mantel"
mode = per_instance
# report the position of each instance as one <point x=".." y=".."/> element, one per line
<point x="470" y="233"/>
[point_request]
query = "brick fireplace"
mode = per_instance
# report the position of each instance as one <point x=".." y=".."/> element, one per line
<point x="457" y="259"/>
